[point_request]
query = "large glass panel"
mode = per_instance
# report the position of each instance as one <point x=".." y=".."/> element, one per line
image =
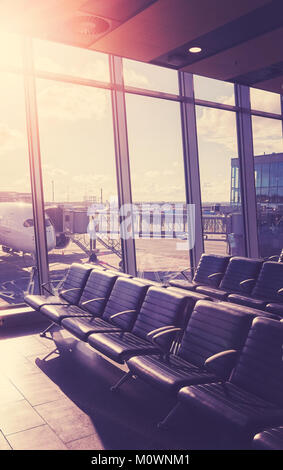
<point x="262" y="100"/>
<point x="220" y="182"/>
<point x="158" y="186"/>
<point x="268" y="162"/>
<point x="10" y="50"/>
<point x="150" y="77"/>
<point x="68" y="60"/>
<point x="210" y="89"/>
<point x="76" y="133"/>
<point x="17" y="246"/>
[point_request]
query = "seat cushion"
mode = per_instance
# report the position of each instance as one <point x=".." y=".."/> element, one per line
<point x="99" y="286"/>
<point x="75" y="281"/>
<point x="210" y="264"/>
<point x="126" y="295"/>
<point x="121" y="346"/>
<point x="37" y="301"/>
<point x="161" y="307"/>
<point x="270" y="280"/>
<point x="183" y="284"/>
<point x="270" y="439"/>
<point x="275" y="308"/>
<point x="168" y="376"/>
<point x="231" y="404"/>
<point x="248" y="301"/>
<point x="213" y="292"/>
<point x="253" y="311"/>
<point x="83" y="327"/>
<point x="238" y="270"/>
<point x="214" y="327"/>
<point x="56" y="313"/>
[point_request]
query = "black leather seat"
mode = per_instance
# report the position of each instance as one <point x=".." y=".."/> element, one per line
<point x="92" y="302"/>
<point x="160" y="308"/>
<point x="70" y="291"/>
<point x="253" y="397"/>
<point x="269" y="439"/>
<point x="275" y="308"/>
<point x="209" y="272"/>
<point x="265" y="291"/>
<point x="212" y="328"/>
<point x="192" y="295"/>
<point x="240" y="277"/>
<point x="126" y="296"/>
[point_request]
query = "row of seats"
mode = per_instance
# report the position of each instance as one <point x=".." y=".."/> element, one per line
<point x="244" y="281"/>
<point x="220" y="358"/>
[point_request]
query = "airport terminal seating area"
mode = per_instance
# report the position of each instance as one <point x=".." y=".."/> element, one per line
<point x="213" y="344"/>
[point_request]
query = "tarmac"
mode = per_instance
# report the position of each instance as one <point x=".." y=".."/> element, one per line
<point x="157" y="259"/>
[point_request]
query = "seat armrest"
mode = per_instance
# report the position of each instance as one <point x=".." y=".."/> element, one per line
<point x="155" y="337"/>
<point x="157" y="330"/>
<point x="280" y="291"/>
<point x="69" y="290"/>
<point x="120" y="314"/>
<point x="48" y="290"/>
<point x="44" y="284"/>
<point x="92" y="300"/>
<point x="228" y="353"/>
<point x="246" y="282"/>
<point x="273" y="258"/>
<point x="184" y="271"/>
<point x="213" y="276"/>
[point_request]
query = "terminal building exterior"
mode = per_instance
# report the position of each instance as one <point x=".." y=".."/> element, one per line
<point x="269" y="197"/>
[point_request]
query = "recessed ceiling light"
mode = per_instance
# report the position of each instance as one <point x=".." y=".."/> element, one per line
<point x="195" y="49"/>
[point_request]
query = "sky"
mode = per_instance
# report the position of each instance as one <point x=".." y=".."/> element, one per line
<point x="76" y="130"/>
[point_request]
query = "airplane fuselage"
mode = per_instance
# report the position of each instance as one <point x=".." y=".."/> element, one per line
<point x="17" y="227"/>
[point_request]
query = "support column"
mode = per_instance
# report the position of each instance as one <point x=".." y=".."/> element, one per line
<point x="246" y="164"/>
<point x="35" y="164"/>
<point x="191" y="163"/>
<point x="122" y="161"/>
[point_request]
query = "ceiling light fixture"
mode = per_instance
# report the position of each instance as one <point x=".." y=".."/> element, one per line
<point x="195" y="49"/>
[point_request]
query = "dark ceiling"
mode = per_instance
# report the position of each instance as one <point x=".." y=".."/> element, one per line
<point x="240" y="40"/>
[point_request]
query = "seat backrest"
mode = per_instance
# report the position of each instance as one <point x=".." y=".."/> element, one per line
<point x="127" y="294"/>
<point x="238" y="270"/>
<point x="76" y="279"/>
<point x="119" y="273"/>
<point x="270" y="280"/>
<point x="259" y="369"/>
<point x="210" y="264"/>
<point x="213" y="328"/>
<point x="99" y="285"/>
<point x="160" y="307"/>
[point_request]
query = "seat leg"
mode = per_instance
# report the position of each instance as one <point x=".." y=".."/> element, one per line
<point x="164" y="423"/>
<point x="54" y="351"/>
<point x="48" y="329"/>
<point x="125" y="378"/>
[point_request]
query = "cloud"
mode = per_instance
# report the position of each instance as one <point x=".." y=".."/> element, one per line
<point x="218" y="127"/>
<point x="265" y="101"/>
<point x="72" y="102"/>
<point x="10" y="139"/>
<point x="267" y="135"/>
<point x="133" y="78"/>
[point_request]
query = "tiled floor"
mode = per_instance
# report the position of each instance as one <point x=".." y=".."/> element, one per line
<point x="64" y="402"/>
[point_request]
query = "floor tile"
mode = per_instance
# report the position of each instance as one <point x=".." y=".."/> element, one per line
<point x="8" y="392"/>
<point x="18" y="416"/>
<point x="39" y="438"/>
<point x="4" y="445"/>
<point x="92" y="442"/>
<point x="66" y="419"/>
<point x="37" y="388"/>
<point x="16" y="365"/>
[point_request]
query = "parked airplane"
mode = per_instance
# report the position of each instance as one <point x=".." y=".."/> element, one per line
<point x="17" y="228"/>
